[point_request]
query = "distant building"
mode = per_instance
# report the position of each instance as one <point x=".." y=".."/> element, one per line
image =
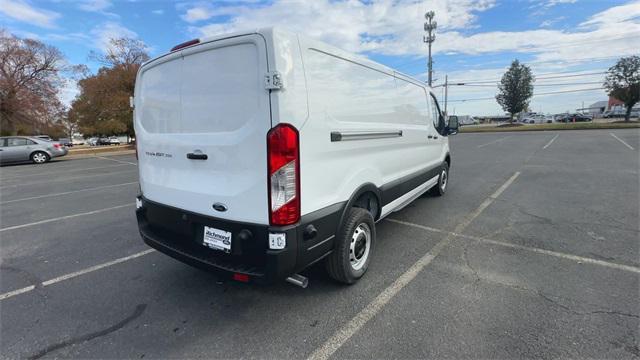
<point x="597" y="108"/>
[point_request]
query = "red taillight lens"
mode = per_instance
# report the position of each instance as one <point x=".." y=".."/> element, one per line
<point x="241" y="277"/>
<point x="284" y="175"/>
<point x="57" y="146"/>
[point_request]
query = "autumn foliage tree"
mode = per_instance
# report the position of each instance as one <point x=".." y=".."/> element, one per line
<point x="102" y="106"/>
<point x="29" y="84"/>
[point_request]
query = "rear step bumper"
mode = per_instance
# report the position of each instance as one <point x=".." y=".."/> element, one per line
<point x="179" y="234"/>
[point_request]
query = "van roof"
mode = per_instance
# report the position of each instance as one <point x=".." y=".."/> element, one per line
<point x="275" y="29"/>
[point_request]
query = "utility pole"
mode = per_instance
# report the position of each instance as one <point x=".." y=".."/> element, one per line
<point x="430" y="28"/>
<point x="446" y="93"/>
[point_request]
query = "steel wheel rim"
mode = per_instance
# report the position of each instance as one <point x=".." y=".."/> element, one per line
<point x="359" y="246"/>
<point x="443" y="180"/>
<point x="39" y="158"/>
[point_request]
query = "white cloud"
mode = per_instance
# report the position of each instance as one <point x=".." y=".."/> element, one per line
<point x="95" y="5"/>
<point x="23" y="11"/>
<point x="197" y="13"/>
<point x="352" y="25"/>
<point x="550" y="22"/>
<point x="616" y="14"/>
<point x="157" y="12"/>
<point x="394" y="28"/>
<point x="552" y="3"/>
<point x="110" y="30"/>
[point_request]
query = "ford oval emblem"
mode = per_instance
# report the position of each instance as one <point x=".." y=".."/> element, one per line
<point x="220" y="207"/>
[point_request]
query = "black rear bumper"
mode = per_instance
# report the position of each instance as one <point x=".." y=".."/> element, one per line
<point x="179" y="234"/>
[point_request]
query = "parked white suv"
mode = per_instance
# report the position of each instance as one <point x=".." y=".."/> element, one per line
<point x="263" y="152"/>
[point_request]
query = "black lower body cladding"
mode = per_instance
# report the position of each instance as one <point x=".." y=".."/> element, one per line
<point x="179" y="234"/>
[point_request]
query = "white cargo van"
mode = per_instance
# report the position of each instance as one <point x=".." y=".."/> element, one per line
<point x="263" y="152"/>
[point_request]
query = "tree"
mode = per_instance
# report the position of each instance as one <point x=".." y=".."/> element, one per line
<point x="29" y="84"/>
<point x="102" y="106"/>
<point x="623" y="82"/>
<point x="515" y="88"/>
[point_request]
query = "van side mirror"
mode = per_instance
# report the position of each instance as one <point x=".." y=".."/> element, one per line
<point x="452" y="127"/>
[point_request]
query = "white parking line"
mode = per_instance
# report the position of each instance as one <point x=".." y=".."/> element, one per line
<point x="47" y="173"/>
<point x="63" y="218"/>
<point x="75" y="274"/>
<point x="373" y="308"/>
<point x="120" y="161"/>
<point x="67" y="179"/>
<point x="622" y="141"/>
<point x="576" y="258"/>
<point x="550" y="142"/>
<point x="67" y="192"/>
<point x="494" y="141"/>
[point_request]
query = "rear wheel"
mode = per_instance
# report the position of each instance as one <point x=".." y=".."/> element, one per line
<point x="443" y="181"/>
<point x="353" y="247"/>
<point x="39" y="157"/>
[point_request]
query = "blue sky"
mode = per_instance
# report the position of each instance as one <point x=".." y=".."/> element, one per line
<point x="476" y="40"/>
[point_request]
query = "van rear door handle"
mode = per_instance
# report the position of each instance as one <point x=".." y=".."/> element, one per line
<point x="432" y="137"/>
<point x="197" y="156"/>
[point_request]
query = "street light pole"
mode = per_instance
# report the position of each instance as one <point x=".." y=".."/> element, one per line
<point x="430" y="27"/>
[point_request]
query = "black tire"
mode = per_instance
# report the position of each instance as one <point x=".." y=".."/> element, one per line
<point x="443" y="181"/>
<point x="339" y="263"/>
<point x="40" y="157"/>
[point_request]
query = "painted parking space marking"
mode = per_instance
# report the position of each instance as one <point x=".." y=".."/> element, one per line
<point x="67" y="192"/>
<point x="494" y="141"/>
<point x="551" y="142"/>
<point x="374" y="307"/>
<point x="576" y="258"/>
<point x="68" y="179"/>
<point x="622" y="141"/>
<point x="16" y="227"/>
<point x="75" y="274"/>
<point x="116" y="160"/>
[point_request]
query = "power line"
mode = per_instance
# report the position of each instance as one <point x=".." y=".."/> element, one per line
<point x="558" y="84"/>
<point x="539" y="94"/>
<point x="542" y="48"/>
<point x="537" y="78"/>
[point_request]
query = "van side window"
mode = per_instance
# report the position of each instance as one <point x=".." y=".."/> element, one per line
<point x="438" y="119"/>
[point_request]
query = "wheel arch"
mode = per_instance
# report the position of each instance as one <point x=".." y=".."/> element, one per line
<point x="367" y="189"/>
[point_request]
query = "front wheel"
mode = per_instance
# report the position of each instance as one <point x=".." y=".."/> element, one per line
<point x="443" y="181"/>
<point x="39" y="157"/>
<point x="353" y="247"/>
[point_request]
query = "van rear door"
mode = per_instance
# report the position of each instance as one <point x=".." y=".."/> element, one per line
<point x="201" y="119"/>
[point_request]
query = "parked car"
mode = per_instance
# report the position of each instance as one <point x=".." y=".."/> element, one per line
<point x="65" y="142"/>
<point x="43" y="137"/>
<point x="77" y="141"/>
<point x="267" y="193"/>
<point x="27" y="148"/>
<point x="114" y="141"/>
<point x="103" y="141"/>
<point x="573" y="118"/>
<point x="93" y="141"/>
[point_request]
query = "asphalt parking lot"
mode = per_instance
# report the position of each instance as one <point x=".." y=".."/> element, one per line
<point x="534" y="252"/>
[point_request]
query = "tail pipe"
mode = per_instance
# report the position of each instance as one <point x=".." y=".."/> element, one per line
<point x="298" y="280"/>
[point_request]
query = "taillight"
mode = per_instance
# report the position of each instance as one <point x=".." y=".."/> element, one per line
<point x="57" y="146"/>
<point x="185" y="44"/>
<point x="284" y="175"/>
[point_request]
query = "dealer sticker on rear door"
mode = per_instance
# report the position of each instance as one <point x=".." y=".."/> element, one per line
<point x="217" y="239"/>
